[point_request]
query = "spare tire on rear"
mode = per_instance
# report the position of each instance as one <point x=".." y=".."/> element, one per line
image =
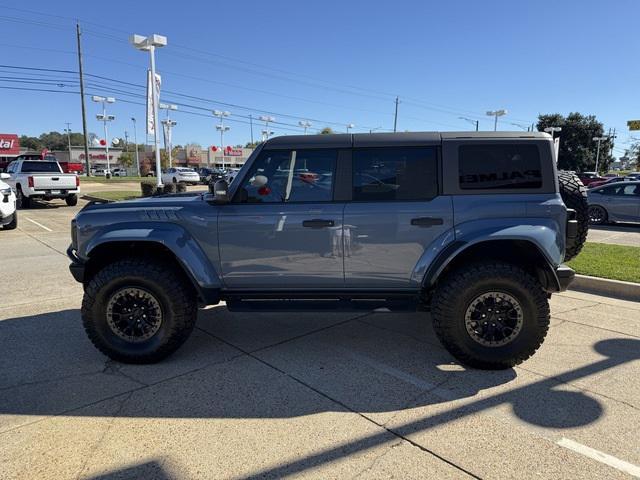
<point x="574" y="196"/>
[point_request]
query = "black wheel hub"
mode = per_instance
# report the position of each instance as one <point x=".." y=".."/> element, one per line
<point x="494" y="319"/>
<point x="596" y="215"/>
<point x="134" y="314"/>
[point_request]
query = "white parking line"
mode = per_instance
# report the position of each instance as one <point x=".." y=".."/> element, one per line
<point x="601" y="457"/>
<point x="446" y="394"/>
<point x="39" y="224"/>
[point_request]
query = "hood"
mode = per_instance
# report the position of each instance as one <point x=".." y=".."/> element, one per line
<point x="170" y="200"/>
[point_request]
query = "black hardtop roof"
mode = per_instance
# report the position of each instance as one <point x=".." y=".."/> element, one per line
<point x="344" y="140"/>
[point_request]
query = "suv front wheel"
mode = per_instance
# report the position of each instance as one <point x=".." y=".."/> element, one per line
<point x="490" y="315"/>
<point x="138" y="311"/>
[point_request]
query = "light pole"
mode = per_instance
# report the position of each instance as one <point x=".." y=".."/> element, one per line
<point x="371" y="130"/>
<point x="167" y="125"/>
<point x="68" y="132"/>
<point x="135" y="142"/>
<point x="221" y="128"/>
<point x="349" y="126"/>
<point x="599" y="139"/>
<point x="471" y="121"/>
<point x="149" y="44"/>
<point x="105" y="119"/>
<point x="305" y="124"/>
<point x="266" y="132"/>
<point x="496" y="114"/>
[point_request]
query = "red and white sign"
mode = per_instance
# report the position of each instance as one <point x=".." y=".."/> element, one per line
<point x="233" y="152"/>
<point x="9" y="144"/>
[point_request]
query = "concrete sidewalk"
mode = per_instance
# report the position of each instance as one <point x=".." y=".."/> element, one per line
<point x="618" y="234"/>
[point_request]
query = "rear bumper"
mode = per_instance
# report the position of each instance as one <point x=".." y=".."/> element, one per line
<point x="77" y="266"/>
<point x="48" y="194"/>
<point x="565" y="276"/>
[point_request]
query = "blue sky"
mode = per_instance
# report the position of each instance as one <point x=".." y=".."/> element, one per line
<point x="332" y="62"/>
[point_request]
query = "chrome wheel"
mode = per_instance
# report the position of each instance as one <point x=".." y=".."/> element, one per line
<point x="494" y="319"/>
<point x="134" y="314"/>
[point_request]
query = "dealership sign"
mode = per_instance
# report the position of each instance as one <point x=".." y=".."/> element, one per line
<point x="233" y="152"/>
<point x="9" y="144"/>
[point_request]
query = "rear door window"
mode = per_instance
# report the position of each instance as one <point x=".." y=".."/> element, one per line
<point x="40" y="166"/>
<point x="395" y="174"/>
<point x="499" y="166"/>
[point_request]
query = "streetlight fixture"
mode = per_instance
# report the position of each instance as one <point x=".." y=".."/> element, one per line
<point x="135" y="140"/>
<point x="599" y="139"/>
<point x="496" y="114"/>
<point x="105" y="119"/>
<point x="167" y="125"/>
<point x="266" y="132"/>
<point x="553" y="130"/>
<point x="471" y="121"/>
<point x="349" y="126"/>
<point x="149" y="44"/>
<point x="305" y="124"/>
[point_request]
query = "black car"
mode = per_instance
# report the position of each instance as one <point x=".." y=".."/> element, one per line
<point x="208" y="175"/>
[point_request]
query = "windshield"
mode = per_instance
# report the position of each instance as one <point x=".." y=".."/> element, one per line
<point x="40" y="166"/>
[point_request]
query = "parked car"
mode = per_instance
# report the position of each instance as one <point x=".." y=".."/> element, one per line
<point x="606" y="181"/>
<point x="8" y="212"/>
<point x="208" y="175"/>
<point x="119" y="172"/>
<point x="181" y="174"/>
<point x="618" y="202"/>
<point x="589" y="177"/>
<point x="634" y="176"/>
<point x="42" y="179"/>
<point x="473" y="227"/>
<point x="98" y="172"/>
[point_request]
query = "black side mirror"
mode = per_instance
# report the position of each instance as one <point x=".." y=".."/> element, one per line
<point x="220" y="191"/>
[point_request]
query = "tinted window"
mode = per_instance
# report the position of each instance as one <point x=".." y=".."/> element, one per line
<point x="40" y="166"/>
<point x="291" y="176"/>
<point x="499" y="166"/>
<point x="391" y="174"/>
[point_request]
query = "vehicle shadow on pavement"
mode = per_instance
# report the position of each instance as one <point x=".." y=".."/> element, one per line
<point x="288" y="366"/>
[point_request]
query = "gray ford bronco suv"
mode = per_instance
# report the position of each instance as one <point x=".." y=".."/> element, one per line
<point x="471" y="227"/>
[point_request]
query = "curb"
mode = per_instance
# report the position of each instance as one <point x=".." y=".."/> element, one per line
<point x="606" y="287"/>
<point x="91" y="198"/>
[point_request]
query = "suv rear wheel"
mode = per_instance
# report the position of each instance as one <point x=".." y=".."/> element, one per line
<point x="490" y="315"/>
<point x="138" y="311"/>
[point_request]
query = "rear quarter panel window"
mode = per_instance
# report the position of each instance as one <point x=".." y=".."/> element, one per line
<point x="504" y="166"/>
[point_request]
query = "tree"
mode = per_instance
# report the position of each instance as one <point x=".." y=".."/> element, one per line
<point x="126" y="159"/>
<point x="251" y="144"/>
<point x="577" y="147"/>
<point x="326" y="131"/>
<point x="164" y="159"/>
<point x="30" y="143"/>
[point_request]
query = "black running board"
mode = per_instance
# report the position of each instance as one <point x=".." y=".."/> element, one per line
<point x="319" y="302"/>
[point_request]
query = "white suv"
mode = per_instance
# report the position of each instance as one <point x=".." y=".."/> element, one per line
<point x="8" y="213"/>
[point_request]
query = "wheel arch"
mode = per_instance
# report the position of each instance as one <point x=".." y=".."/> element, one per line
<point x="102" y="253"/>
<point x="521" y="252"/>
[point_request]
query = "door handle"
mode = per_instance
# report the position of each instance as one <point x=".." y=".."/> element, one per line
<point x="317" y="223"/>
<point x="426" y="221"/>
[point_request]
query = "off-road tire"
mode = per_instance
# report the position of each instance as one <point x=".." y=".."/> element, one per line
<point x="172" y="290"/>
<point x="574" y="195"/>
<point x="22" y="201"/>
<point x="14" y="222"/>
<point x="460" y="287"/>
<point x="71" y="200"/>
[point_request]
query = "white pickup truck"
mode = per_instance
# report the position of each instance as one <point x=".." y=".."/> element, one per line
<point x="43" y="179"/>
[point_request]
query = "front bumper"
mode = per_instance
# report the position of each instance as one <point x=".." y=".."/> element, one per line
<point x="565" y="276"/>
<point x="77" y="266"/>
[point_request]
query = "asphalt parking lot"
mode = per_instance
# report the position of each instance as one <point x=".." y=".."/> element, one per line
<point x="303" y="395"/>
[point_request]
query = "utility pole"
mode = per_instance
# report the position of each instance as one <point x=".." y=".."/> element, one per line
<point x="598" y="139"/>
<point x="251" y="123"/>
<point x="126" y="141"/>
<point x="135" y="141"/>
<point x="395" y="117"/>
<point x="68" y="130"/>
<point x="87" y="166"/>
